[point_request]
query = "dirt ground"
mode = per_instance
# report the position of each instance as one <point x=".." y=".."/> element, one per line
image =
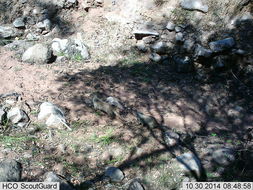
<point x="210" y="113"/>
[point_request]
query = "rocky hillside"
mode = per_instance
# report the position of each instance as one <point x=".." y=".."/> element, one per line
<point x="126" y="94"/>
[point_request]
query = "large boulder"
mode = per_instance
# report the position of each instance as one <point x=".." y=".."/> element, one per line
<point x="10" y="171"/>
<point x="38" y="53"/>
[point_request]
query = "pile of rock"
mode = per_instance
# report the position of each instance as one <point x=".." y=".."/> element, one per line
<point x="38" y="23"/>
<point x="186" y="47"/>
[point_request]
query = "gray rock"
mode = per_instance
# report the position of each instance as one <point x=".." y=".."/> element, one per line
<point x="16" y="115"/>
<point x="45" y="25"/>
<point x="194" y="5"/>
<point x="170" y="26"/>
<point x="52" y="115"/>
<point x="222" y="45"/>
<point x="71" y="1"/>
<point x="10" y="171"/>
<point x="59" y="45"/>
<point x="149" y="39"/>
<point x="183" y="64"/>
<point x="202" y="52"/>
<point x="141" y="46"/>
<point x="179" y="37"/>
<point x="20" y="46"/>
<point x="9" y="32"/>
<point x="115" y="174"/>
<point x="61" y="59"/>
<point x="70" y="48"/>
<point x="139" y="34"/>
<point x="38" y="53"/>
<point x="32" y="37"/>
<point x="224" y="156"/>
<point x="189" y="163"/>
<point x="19" y="22"/>
<point x="115" y="102"/>
<point x="189" y="45"/>
<point x="171" y="138"/>
<point x="135" y="185"/>
<point x="64" y="184"/>
<point x="178" y="29"/>
<point x="159" y="47"/>
<point x="155" y="57"/>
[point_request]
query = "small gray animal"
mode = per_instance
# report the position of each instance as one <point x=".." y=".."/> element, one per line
<point x="147" y="120"/>
<point x="103" y="106"/>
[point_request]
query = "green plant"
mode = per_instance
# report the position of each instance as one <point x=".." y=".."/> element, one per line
<point x="79" y="123"/>
<point x="106" y="139"/>
<point x="213" y="134"/>
<point x="12" y="141"/>
<point x="77" y="57"/>
<point x="115" y="160"/>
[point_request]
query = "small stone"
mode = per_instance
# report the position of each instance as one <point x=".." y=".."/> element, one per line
<point x="170" y="26"/>
<point x="8" y="32"/>
<point x="189" y="45"/>
<point x="115" y="174"/>
<point x="139" y="34"/>
<point x="16" y="115"/>
<point x="51" y="115"/>
<point x="10" y="171"/>
<point x="171" y="138"/>
<point x="149" y="39"/>
<point x="32" y="37"/>
<point x="202" y="52"/>
<point x="224" y="156"/>
<point x="61" y="59"/>
<point x="178" y="29"/>
<point x="159" y="47"/>
<point x="155" y="57"/>
<point x="45" y="25"/>
<point x="222" y="45"/>
<point x="114" y="102"/>
<point x="194" y="5"/>
<point x="59" y="45"/>
<point x="135" y="185"/>
<point x="64" y="184"/>
<point x="19" y="22"/>
<point x="179" y="37"/>
<point x="141" y="46"/>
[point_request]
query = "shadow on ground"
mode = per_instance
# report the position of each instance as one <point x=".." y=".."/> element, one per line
<point x="215" y="112"/>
